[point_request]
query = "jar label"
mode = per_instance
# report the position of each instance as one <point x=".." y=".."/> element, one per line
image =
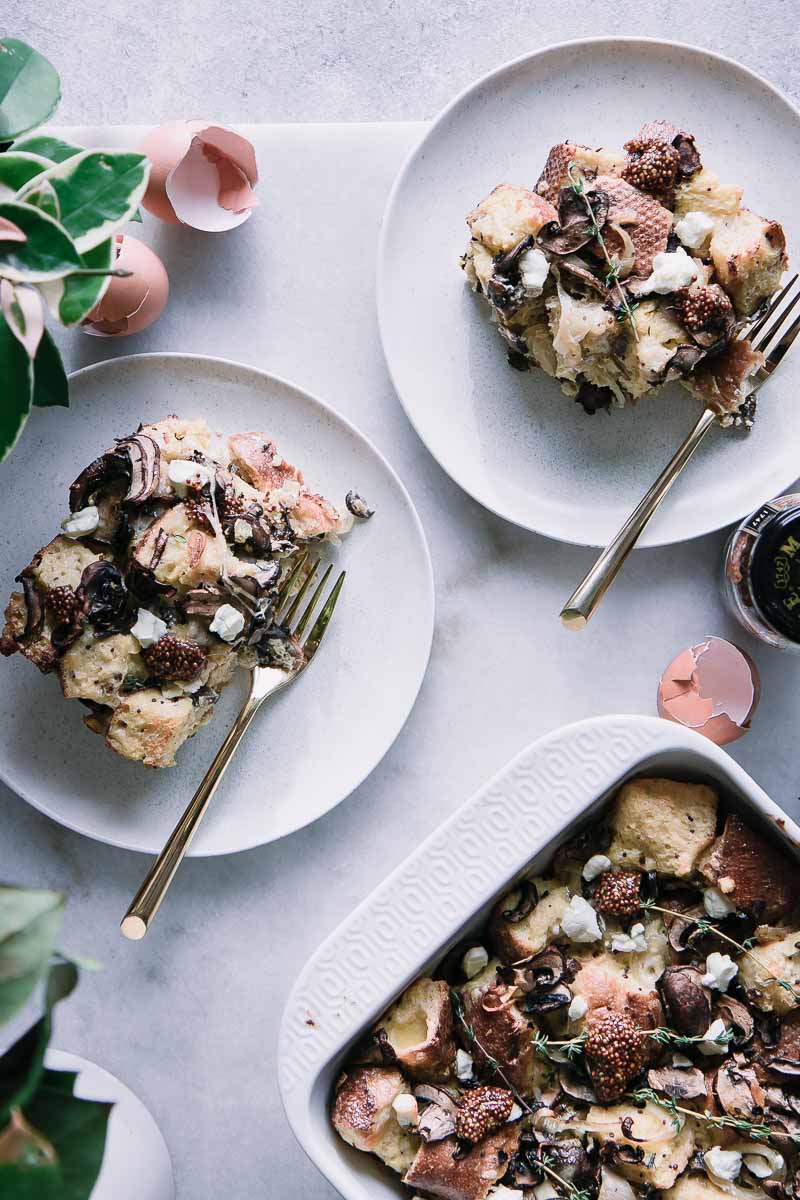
<point x="758" y="518"/>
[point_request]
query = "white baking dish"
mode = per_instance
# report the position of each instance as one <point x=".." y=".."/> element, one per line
<point x="444" y="889"/>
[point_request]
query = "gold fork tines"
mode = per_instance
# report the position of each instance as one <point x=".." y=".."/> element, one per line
<point x="264" y="682"/>
<point x="770" y="324"/>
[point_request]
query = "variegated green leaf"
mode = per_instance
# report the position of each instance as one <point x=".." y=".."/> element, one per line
<point x="52" y="148"/>
<point x="71" y="298"/>
<point x="29" y="88"/>
<point x="29" y="922"/>
<point x="98" y="192"/>
<point x="16" y="397"/>
<point x="50" y="385"/>
<point x="47" y="252"/>
<point x="17" y="169"/>
<point x="42" y="195"/>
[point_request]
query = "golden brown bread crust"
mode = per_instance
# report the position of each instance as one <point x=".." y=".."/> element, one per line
<point x="150" y="728"/>
<point x="662" y="825"/>
<point x="652" y="225"/>
<point x="423" y="1011"/>
<point x="362" y="1114"/>
<point x="751" y="872"/>
<point x="515" y="940"/>
<point x="437" y="1172"/>
<point x="591" y="162"/>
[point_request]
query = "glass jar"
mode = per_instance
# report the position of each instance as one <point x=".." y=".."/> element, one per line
<point x="762" y="573"/>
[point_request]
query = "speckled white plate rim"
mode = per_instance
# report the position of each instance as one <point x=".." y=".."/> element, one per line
<point x="427" y="606"/>
<point x="648" y="539"/>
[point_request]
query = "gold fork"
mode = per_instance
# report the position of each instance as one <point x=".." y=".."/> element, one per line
<point x="581" y="605"/>
<point x="264" y="682"/>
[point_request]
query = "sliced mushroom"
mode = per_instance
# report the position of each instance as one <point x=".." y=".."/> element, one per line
<point x="528" y="899"/>
<point x="438" y="1120"/>
<point x="570" y="1161"/>
<point x="536" y="974"/>
<point x="135" y="459"/>
<point x="686" y="1002"/>
<point x="508" y="263"/>
<point x="579" y="269"/>
<point x="102" y="596"/>
<point x="203" y="601"/>
<point x="34" y="608"/>
<point x="685" y="359"/>
<point x="733" y="1091"/>
<point x="678" y="1082"/>
<point x="144" y="587"/>
<point x="575" y="226"/>
<point x="576" y="1086"/>
<point x="787" y="1069"/>
<point x="737" y="1017"/>
<point x="547" y="1001"/>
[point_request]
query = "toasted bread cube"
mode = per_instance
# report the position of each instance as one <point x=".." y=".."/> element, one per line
<point x="662" y="825"/>
<point x="513" y="940"/>
<point x="703" y="192"/>
<point x="624" y="983"/>
<point x="666" y="1150"/>
<point x="419" y="1028"/>
<point x="503" y="1031"/>
<point x="590" y="162"/>
<point x="364" y="1117"/>
<point x="753" y="873"/>
<point x="438" y="1171"/>
<point x="190" y="556"/>
<point x="507" y="215"/>
<point x="62" y="562"/>
<point x="148" y="727"/>
<point x="778" y="954"/>
<point x="749" y="256"/>
<point x="95" y="668"/>
<point x="179" y="438"/>
<point x="39" y="649"/>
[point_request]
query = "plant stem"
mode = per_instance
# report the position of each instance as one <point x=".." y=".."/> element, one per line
<point x="753" y="1130"/>
<point x="87" y="272"/>
<point x="570" y="1187"/>
<point x="705" y="926"/>
<point x="492" y="1063"/>
<point x="576" y="182"/>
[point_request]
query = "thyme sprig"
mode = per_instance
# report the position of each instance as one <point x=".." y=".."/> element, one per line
<point x="756" y="1130"/>
<point x="576" y="181"/>
<point x="704" y="926"/>
<point x="666" y="1037"/>
<point x="490" y="1061"/>
<point x="572" y="1047"/>
<point x="545" y="1162"/>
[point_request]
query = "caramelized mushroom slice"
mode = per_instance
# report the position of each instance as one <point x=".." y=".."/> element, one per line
<point x="686" y="1002"/>
<point x="680" y="1083"/>
<point x="733" y="1090"/>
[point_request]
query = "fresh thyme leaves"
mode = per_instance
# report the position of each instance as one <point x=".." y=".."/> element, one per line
<point x="705" y="926"/>
<point x="758" y="1131"/>
<point x="491" y="1063"/>
<point x="665" y="1037"/>
<point x="612" y="275"/>
<point x="572" y="1048"/>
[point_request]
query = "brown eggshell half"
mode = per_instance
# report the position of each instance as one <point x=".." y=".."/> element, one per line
<point x="165" y="146"/>
<point x="713" y="687"/>
<point x="131" y="303"/>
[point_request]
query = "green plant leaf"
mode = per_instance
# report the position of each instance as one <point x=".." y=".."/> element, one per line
<point x="29" y="88"/>
<point x="98" y="192"/>
<point x="19" y="1182"/>
<point x="76" y="1129"/>
<point x="71" y="298"/>
<point x="47" y="253"/>
<point x="22" y="1064"/>
<point x="53" y="148"/>
<point x="16" y="397"/>
<point x="17" y="169"/>
<point x="50" y="384"/>
<point x="137" y="216"/>
<point x="42" y="195"/>
<point x="29" y="923"/>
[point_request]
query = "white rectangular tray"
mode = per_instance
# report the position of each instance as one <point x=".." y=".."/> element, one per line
<point x="511" y="826"/>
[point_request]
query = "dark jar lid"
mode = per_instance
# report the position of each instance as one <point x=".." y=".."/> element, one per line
<point x="775" y="572"/>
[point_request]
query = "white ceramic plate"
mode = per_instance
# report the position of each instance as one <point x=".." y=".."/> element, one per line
<point x="514" y="441"/>
<point x="309" y="748"/>
<point x="443" y="892"/>
<point x="136" y="1163"/>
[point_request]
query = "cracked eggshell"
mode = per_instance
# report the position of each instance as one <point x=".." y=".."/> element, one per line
<point x="201" y="175"/>
<point x="132" y="303"/>
<point x="713" y="687"/>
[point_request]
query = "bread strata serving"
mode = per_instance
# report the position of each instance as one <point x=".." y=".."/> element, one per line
<point x="623" y="270"/>
<point x="626" y="1024"/>
<point x="164" y="580"/>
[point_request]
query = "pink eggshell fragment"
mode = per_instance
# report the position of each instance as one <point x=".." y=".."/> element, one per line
<point x="131" y="303"/>
<point x="712" y="687"/>
<point x="201" y="175"/>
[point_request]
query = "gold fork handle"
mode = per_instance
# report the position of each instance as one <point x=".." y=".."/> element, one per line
<point x="584" y="600"/>
<point x="147" y="900"/>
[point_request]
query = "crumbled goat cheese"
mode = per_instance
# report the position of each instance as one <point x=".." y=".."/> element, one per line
<point x="720" y="970"/>
<point x="724" y="1164"/>
<point x="228" y="622"/>
<point x="180" y="471"/>
<point x="285" y="496"/>
<point x="242" y="530"/>
<point x="579" y="923"/>
<point x="148" y="628"/>
<point x="474" y="961"/>
<point x="633" y="943"/>
<point x="709" y="1044"/>
<point x="464" y="1065"/>
<point x="671" y="270"/>
<point x="717" y="905"/>
<point x="79" y="523"/>
<point x="533" y="269"/>
<point x="501" y="1192"/>
<point x="405" y="1109"/>
<point x="681" y="1060"/>
<point x="694" y="228"/>
<point x="595" y="866"/>
<point x="578" y="1008"/>
<point x="515" y="1114"/>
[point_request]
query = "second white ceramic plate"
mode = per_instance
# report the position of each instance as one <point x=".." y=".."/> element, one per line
<point x="514" y="441"/>
<point x="318" y="740"/>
